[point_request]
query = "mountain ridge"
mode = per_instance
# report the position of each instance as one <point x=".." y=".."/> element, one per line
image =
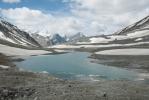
<point x="13" y="35"/>
<point x="143" y="24"/>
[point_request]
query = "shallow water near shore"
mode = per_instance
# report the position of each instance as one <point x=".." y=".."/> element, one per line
<point x="75" y="66"/>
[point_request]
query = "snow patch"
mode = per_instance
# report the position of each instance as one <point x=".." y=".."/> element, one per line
<point x="139" y="39"/>
<point x="60" y="51"/>
<point x="4" y="67"/>
<point x="100" y="40"/>
<point x="45" y="72"/>
<point x="83" y="43"/>
<point x="131" y="51"/>
<point x="143" y="76"/>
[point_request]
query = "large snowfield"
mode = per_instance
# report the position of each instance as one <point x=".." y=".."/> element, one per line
<point x="131" y="51"/>
<point x="63" y="46"/>
<point x="12" y="51"/>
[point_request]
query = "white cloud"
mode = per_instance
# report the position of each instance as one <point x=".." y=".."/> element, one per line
<point x="11" y="1"/>
<point x="35" y="20"/>
<point x="113" y="14"/>
<point x="87" y="16"/>
<point x="112" y="6"/>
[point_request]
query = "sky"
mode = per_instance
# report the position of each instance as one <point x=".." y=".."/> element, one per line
<point x="67" y="17"/>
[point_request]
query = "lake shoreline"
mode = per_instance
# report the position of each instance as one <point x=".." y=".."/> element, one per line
<point x="128" y="62"/>
<point x="22" y="85"/>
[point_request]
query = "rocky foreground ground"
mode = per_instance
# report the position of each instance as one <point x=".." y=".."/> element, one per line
<point x="20" y="85"/>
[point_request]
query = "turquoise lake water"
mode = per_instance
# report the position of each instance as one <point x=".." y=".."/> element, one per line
<point x="75" y="65"/>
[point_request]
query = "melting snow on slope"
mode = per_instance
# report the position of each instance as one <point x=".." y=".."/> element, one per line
<point x="11" y="51"/>
<point x="138" y="34"/>
<point x="5" y="38"/>
<point x="120" y="37"/>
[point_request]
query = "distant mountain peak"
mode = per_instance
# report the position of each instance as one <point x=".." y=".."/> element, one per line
<point x="44" y="41"/>
<point x="77" y="36"/>
<point x="57" y="39"/>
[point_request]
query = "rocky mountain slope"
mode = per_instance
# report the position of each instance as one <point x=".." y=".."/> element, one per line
<point x="135" y="33"/>
<point x="138" y="26"/>
<point x="50" y="40"/>
<point x="44" y="41"/>
<point x="10" y="34"/>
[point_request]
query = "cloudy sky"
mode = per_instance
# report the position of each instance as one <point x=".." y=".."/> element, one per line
<point x="91" y="17"/>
